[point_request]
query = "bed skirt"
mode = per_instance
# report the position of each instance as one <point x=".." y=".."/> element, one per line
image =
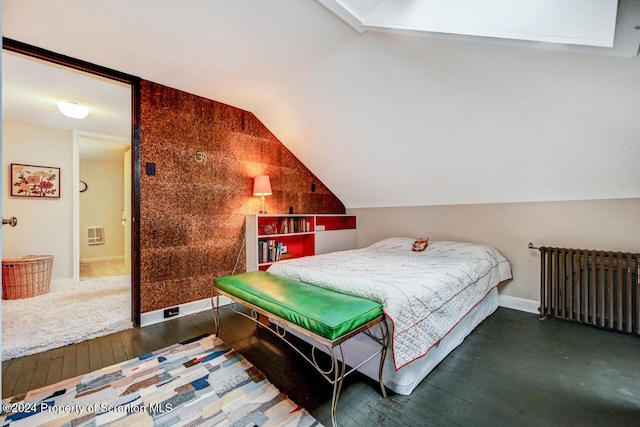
<point x="407" y="378"/>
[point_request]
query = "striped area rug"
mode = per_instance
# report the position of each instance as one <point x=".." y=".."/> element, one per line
<point x="193" y="383"/>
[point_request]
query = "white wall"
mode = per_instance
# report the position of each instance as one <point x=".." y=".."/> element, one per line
<point x="101" y="205"/>
<point x="44" y="225"/>
<point x="509" y="227"/>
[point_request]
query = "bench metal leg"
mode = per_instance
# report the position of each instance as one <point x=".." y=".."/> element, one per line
<point x="338" y="378"/>
<point x="216" y="314"/>
<point x="384" y="342"/>
<point x="336" y="372"/>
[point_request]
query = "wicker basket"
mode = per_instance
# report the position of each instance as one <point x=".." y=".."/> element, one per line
<point x="26" y="276"/>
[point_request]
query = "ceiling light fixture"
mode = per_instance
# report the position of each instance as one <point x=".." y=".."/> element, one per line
<point x="73" y="109"/>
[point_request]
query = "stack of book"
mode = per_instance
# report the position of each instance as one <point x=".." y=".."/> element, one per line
<point x="295" y="225"/>
<point x="269" y="250"/>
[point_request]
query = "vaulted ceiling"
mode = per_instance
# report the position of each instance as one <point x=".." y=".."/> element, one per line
<point x="382" y="118"/>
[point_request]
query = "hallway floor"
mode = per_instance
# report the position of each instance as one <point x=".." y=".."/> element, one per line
<point x="102" y="268"/>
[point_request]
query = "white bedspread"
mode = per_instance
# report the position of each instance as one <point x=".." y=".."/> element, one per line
<point x="425" y="294"/>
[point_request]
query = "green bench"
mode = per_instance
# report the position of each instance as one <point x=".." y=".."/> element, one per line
<point x="327" y="317"/>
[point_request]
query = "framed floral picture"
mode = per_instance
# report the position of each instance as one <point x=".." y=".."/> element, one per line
<point x="34" y="181"/>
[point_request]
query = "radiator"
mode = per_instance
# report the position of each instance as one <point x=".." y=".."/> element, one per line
<point x="595" y="287"/>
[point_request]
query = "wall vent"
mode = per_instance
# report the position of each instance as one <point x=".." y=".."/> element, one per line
<point x="95" y="235"/>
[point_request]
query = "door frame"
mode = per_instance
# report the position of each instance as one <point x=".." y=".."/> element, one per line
<point x="77" y="64"/>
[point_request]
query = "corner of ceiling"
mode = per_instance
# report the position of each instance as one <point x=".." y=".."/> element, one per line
<point x="346" y="13"/>
<point x="607" y="27"/>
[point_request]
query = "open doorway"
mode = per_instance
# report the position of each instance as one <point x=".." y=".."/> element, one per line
<point x="104" y="206"/>
<point x="54" y="225"/>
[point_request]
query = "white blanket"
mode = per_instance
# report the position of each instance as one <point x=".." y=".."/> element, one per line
<point x="425" y="294"/>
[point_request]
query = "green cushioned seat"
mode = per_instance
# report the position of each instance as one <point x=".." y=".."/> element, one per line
<point x="327" y="313"/>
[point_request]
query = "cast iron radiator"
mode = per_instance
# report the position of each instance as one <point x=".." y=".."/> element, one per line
<point x="596" y="287"/>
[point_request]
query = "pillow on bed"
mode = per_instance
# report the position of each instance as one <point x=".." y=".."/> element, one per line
<point x="403" y="243"/>
<point x="420" y="244"/>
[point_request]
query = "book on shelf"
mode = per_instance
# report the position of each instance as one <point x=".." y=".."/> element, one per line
<point x="295" y="225"/>
<point x="269" y="250"/>
<point x="262" y="250"/>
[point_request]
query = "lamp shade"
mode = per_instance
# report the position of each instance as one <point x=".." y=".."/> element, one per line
<point x="261" y="185"/>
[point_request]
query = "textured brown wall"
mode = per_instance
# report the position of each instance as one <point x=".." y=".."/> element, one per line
<point x="192" y="214"/>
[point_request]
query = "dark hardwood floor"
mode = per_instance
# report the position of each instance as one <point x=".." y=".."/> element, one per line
<point x="513" y="370"/>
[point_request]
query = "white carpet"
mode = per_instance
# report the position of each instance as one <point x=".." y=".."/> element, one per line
<point x="69" y="313"/>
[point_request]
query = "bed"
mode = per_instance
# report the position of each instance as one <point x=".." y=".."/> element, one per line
<point x="432" y="299"/>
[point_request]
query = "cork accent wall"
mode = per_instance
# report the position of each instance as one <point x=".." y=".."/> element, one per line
<point x="192" y="213"/>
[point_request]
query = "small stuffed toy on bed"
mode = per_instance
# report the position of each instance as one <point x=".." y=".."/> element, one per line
<point x="420" y="244"/>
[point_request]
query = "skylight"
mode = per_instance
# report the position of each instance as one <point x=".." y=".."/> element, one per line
<point x="573" y="22"/>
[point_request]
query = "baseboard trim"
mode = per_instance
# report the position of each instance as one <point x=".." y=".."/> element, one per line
<point x="521" y="304"/>
<point x="186" y="309"/>
<point x="157" y="316"/>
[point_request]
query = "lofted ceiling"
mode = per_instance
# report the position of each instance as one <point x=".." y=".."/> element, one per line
<point x="383" y="118"/>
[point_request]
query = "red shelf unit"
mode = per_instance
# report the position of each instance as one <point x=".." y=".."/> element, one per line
<point x="298" y="233"/>
<point x="336" y="222"/>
